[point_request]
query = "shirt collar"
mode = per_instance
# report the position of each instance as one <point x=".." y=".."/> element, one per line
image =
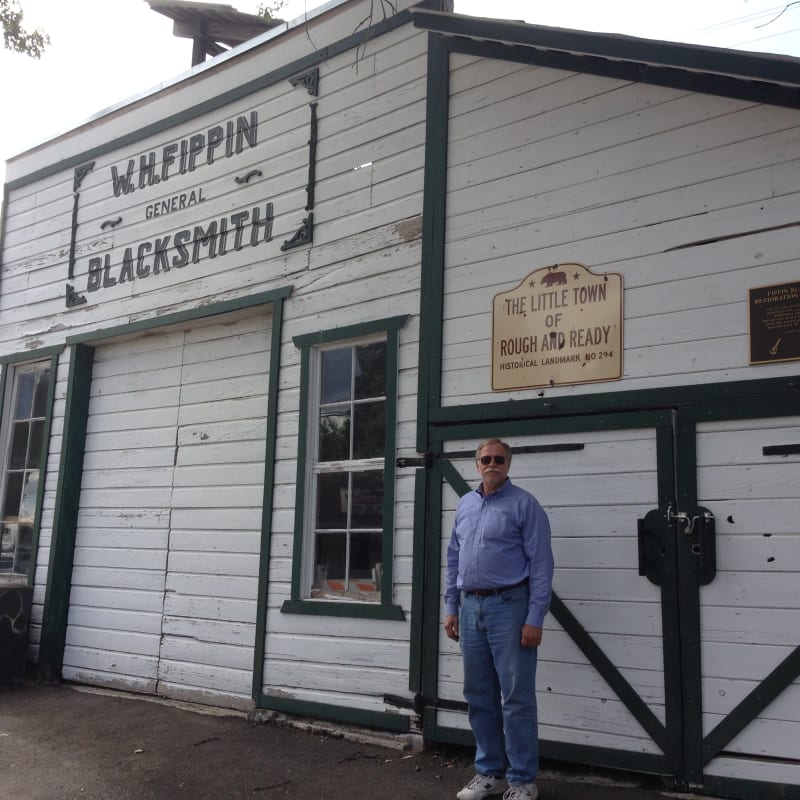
<point x="502" y="488"/>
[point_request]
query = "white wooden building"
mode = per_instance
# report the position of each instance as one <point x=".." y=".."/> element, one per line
<point x="253" y="323"/>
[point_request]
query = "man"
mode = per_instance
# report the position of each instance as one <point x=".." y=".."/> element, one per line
<point x="499" y="576"/>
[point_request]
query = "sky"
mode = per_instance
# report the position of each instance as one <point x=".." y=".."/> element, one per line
<point x="103" y="52"/>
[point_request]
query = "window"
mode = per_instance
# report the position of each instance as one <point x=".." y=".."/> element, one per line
<point x="348" y="472"/>
<point x="25" y="413"/>
<point x="343" y="537"/>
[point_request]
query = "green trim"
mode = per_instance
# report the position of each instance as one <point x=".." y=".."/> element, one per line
<point x="199" y="312"/>
<point x="741" y="789"/>
<point x="355" y="331"/>
<point x="434" y="217"/>
<point x="670" y="617"/>
<point x="688" y="608"/>
<point x="783" y="393"/>
<point x="297" y="604"/>
<point x="32" y="355"/>
<point x="610" y="674"/>
<point x="323" y="608"/>
<point x="267" y="503"/>
<point x="231" y="95"/>
<point x="430" y="553"/>
<point x="559" y="751"/>
<point x="748" y="709"/>
<point x="419" y="581"/>
<point x="652" y="74"/>
<point x="701" y="69"/>
<point x="602" y="757"/>
<point x="65" y="522"/>
<point x="379" y="720"/>
<point x="453" y="476"/>
<point x="511" y="426"/>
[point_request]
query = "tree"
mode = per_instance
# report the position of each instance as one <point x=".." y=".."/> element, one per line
<point x="269" y="10"/>
<point x="15" y="37"/>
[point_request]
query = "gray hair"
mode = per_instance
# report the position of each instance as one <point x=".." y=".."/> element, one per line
<point x="486" y="442"/>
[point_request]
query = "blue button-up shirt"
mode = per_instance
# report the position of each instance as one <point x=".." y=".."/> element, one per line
<point x="499" y="540"/>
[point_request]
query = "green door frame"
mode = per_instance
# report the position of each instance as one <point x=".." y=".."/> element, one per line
<point x="686" y="749"/>
<point x="666" y="736"/>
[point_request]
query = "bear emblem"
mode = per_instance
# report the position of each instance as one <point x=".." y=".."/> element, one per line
<point x="552" y="278"/>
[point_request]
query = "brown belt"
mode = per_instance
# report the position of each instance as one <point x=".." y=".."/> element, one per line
<point x="496" y="590"/>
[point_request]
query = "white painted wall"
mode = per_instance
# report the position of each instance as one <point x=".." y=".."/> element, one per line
<point x="176" y="639"/>
<point x="547" y="167"/>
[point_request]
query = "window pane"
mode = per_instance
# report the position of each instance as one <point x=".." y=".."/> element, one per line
<point x="19" y="445"/>
<point x="334" y="433"/>
<point x="24" y="395"/>
<point x="370" y="370"/>
<point x="35" y="447"/>
<point x="365" y="558"/>
<point x="13" y="494"/>
<point x="24" y="541"/>
<point x="332" y="501"/>
<point x="367" y="510"/>
<point x="368" y="430"/>
<point x="27" y="506"/>
<point x="330" y="563"/>
<point x="40" y="392"/>
<point x="8" y="547"/>
<point x="336" y="373"/>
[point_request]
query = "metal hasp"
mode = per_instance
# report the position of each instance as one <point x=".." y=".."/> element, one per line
<point x="701" y="530"/>
<point x="696" y="534"/>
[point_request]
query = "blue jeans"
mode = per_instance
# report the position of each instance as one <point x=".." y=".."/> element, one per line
<point x="500" y="684"/>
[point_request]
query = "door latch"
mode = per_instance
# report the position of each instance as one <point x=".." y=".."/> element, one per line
<point x="688" y="522"/>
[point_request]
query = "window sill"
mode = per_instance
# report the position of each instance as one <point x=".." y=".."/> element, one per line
<point x="357" y="610"/>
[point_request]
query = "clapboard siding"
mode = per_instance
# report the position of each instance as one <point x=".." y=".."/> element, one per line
<point x="366" y="247"/>
<point x="547" y="166"/>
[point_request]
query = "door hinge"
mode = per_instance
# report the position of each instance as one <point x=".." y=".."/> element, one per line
<point x="426" y="460"/>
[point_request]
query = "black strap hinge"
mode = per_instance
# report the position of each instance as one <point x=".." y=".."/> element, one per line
<point x="426" y="460"/>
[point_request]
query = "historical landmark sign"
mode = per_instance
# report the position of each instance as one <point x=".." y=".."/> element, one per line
<point x="561" y="325"/>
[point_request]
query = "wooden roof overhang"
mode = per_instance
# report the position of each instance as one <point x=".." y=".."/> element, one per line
<point x="759" y="77"/>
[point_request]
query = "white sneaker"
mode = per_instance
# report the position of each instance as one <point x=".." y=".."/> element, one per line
<point x="482" y="786"/>
<point x="521" y="791"/>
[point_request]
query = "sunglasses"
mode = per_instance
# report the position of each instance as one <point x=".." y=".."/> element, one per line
<point x="486" y="460"/>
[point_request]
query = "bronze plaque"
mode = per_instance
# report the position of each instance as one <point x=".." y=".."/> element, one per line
<point x="561" y="325"/>
<point x="775" y="323"/>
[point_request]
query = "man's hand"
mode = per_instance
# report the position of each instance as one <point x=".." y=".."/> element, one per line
<point x="451" y="626"/>
<point x="531" y="636"/>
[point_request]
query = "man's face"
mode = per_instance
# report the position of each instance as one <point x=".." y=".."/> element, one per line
<point x="493" y="474"/>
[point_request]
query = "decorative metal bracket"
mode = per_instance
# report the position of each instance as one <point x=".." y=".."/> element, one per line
<point x="304" y="234"/>
<point x="73" y="298"/>
<point x="254" y="173"/>
<point x="80" y="173"/>
<point x="308" y="79"/>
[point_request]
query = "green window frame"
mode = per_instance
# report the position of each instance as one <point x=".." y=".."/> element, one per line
<point x="26" y="390"/>
<point x="315" y="472"/>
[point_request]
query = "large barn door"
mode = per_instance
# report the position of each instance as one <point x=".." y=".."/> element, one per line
<point x="745" y="727"/>
<point x="609" y="678"/>
<point x="165" y="578"/>
<point x="673" y="643"/>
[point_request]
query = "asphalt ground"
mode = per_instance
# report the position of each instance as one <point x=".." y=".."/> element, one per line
<point x="61" y="742"/>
